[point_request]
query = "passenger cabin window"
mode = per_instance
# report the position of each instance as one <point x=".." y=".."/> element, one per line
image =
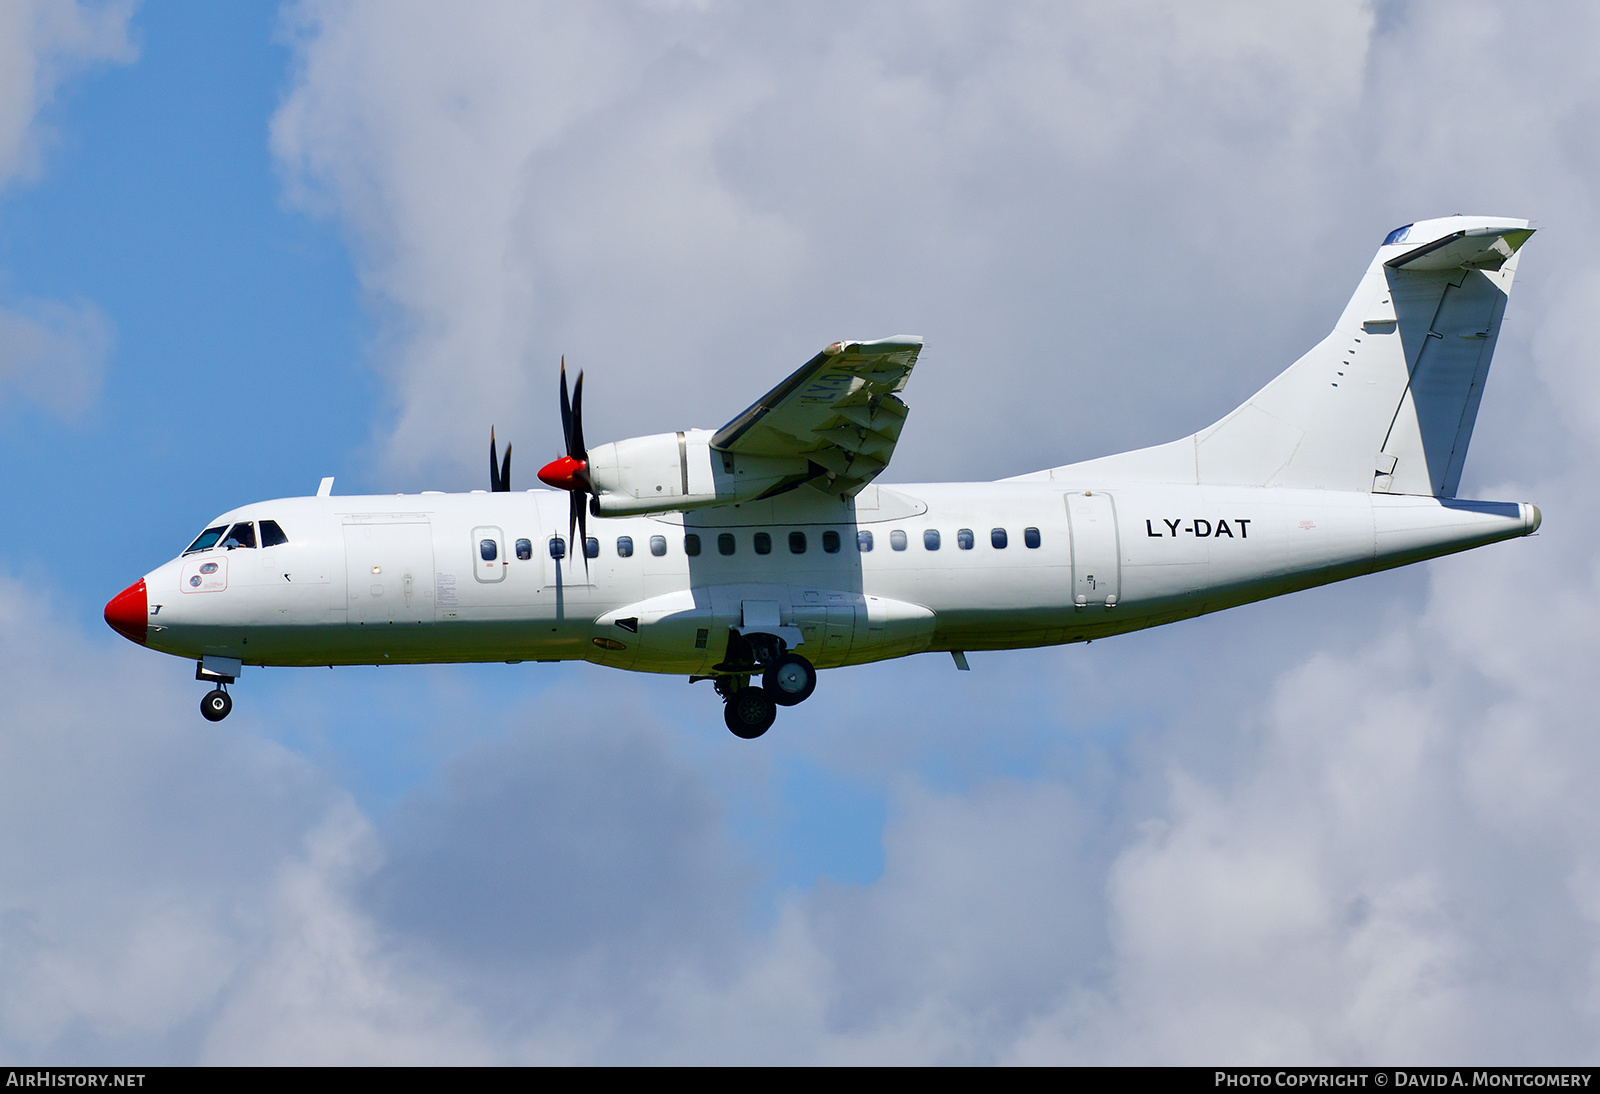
<point x="207" y="539"/>
<point x="524" y="549"/>
<point x="691" y="545"/>
<point x="725" y="543"/>
<point x="591" y="547"/>
<point x="930" y="539"/>
<point x="1030" y="536"/>
<point x="965" y="539"/>
<point x="763" y="543"/>
<point x="830" y="542"/>
<point x="897" y="540"/>
<point x="242" y="534"/>
<point x="488" y="550"/>
<point x="624" y="546"/>
<point x="558" y="547"/>
<point x="863" y="542"/>
<point x="272" y="535"/>
<point x="997" y="538"/>
<point x="658" y="545"/>
<point x="797" y="543"/>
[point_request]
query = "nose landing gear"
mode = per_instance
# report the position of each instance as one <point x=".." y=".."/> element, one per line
<point x="216" y="704"/>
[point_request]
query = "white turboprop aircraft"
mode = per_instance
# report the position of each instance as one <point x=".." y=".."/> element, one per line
<point x="765" y="550"/>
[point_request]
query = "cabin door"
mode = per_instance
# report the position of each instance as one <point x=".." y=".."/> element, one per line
<point x="389" y="570"/>
<point x="1096" y="569"/>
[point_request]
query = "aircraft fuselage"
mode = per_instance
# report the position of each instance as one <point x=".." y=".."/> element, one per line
<point x="413" y="578"/>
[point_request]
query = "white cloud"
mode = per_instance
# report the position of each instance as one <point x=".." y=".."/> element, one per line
<point x="1112" y="223"/>
<point x="51" y="353"/>
<point x="54" y="354"/>
<point x="687" y="202"/>
<point x="42" y="42"/>
<point x="1370" y="842"/>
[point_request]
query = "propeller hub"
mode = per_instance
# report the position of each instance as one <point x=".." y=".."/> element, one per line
<point x="565" y="473"/>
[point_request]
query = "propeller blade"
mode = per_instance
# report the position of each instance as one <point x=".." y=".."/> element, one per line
<point x="583" y="529"/>
<point x="566" y="408"/>
<point x="576" y="448"/>
<point x="571" y="472"/>
<point x="494" y="462"/>
<point x="505" y="471"/>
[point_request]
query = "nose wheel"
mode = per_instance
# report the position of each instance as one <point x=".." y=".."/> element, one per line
<point x="216" y="704"/>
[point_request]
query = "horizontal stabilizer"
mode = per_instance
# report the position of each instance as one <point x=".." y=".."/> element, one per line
<point x="1473" y="249"/>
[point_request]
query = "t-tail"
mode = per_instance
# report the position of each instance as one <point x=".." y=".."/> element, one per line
<point x="1387" y="401"/>
<point x="1369" y="428"/>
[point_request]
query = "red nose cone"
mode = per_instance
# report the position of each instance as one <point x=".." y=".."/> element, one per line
<point x="564" y="474"/>
<point x="129" y="612"/>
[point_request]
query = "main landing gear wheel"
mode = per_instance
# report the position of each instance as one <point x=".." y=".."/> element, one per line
<point x="216" y="705"/>
<point x="789" y="680"/>
<point x="750" y="713"/>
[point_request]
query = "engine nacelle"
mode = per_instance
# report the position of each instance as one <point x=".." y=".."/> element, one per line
<point x="668" y="472"/>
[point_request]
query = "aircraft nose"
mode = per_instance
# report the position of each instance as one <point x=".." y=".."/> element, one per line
<point x="129" y="613"/>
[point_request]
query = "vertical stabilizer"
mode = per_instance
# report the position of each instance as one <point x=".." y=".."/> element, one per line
<point x="1386" y="402"/>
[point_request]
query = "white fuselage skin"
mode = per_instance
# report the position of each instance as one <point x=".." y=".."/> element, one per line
<point x="403" y="578"/>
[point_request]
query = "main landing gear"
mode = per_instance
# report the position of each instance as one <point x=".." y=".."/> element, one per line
<point x="749" y="711"/>
<point x="787" y="679"/>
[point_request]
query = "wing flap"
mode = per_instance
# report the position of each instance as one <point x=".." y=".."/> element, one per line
<point x="840" y="410"/>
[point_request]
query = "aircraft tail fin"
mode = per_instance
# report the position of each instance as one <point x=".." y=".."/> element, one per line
<point x="1386" y="402"/>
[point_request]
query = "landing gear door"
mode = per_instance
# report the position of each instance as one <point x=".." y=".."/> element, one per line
<point x="1096" y="560"/>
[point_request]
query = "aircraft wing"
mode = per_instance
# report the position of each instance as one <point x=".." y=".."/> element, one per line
<point x="839" y="410"/>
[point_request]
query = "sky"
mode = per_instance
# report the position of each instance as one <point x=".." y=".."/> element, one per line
<point x="246" y="246"/>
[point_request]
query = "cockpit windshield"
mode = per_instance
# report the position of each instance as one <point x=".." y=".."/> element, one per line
<point x="207" y="539"/>
<point x="242" y="534"/>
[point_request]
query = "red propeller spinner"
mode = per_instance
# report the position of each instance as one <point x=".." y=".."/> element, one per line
<point x="565" y="473"/>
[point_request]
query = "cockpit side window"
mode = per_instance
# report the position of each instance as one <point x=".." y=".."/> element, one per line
<point x="272" y="535"/>
<point x="242" y="534"/>
<point x="207" y="539"/>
